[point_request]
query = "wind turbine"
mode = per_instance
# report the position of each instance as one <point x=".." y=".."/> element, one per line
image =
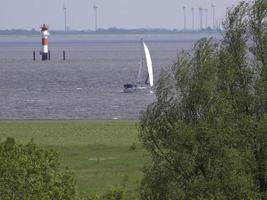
<point x="65" y="16"/>
<point x="193" y="18"/>
<point x="95" y="13"/>
<point x="200" y="18"/>
<point x="213" y="15"/>
<point x="206" y="17"/>
<point x="184" y="9"/>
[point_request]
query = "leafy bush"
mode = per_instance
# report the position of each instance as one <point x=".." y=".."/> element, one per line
<point x="31" y="172"/>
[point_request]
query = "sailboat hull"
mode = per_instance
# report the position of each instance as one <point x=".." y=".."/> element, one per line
<point x="129" y="88"/>
<point x="133" y="88"/>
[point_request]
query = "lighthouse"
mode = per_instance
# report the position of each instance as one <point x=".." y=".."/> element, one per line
<point x="45" y="34"/>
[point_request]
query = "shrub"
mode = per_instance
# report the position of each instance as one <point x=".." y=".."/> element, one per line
<point x="31" y="172"/>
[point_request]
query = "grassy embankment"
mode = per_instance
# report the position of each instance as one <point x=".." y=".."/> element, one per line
<point x="98" y="152"/>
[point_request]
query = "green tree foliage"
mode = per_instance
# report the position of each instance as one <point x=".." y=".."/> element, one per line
<point x="30" y="172"/>
<point x="207" y="131"/>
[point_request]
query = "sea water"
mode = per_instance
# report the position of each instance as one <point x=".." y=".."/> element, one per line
<point x="89" y="83"/>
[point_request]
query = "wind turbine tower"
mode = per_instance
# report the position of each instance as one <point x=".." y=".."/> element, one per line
<point x="206" y="17"/>
<point x="95" y="13"/>
<point x="184" y="9"/>
<point x="200" y="18"/>
<point x="193" y="18"/>
<point x="213" y="15"/>
<point x="65" y="16"/>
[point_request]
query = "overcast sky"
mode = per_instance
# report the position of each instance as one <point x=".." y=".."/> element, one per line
<point x="28" y="14"/>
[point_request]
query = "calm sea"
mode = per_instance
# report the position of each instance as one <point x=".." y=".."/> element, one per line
<point x="88" y="84"/>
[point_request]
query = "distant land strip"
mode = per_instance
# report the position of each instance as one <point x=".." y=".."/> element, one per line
<point x="108" y="31"/>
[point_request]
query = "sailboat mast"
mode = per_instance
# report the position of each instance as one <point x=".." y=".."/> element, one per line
<point x="141" y="51"/>
<point x="139" y="75"/>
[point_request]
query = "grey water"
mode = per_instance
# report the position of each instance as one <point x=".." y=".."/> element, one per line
<point x="89" y="83"/>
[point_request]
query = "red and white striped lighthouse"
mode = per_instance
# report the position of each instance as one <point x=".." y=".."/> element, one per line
<point x="45" y="34"/>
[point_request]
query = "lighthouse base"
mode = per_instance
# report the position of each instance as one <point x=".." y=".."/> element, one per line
<point x="44" y="56"/>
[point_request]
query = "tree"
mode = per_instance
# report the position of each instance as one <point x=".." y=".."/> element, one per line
<point x="206" y="132"/>
<point x="31" y="172"/>
<point x="258" y="29"/>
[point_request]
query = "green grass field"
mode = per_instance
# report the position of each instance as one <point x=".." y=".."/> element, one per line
<point x="98" y="152"/>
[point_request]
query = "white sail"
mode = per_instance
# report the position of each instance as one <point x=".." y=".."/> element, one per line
<point x="149" y="64"/>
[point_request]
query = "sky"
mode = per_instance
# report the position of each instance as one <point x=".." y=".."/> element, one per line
<point x="127" y="14"/>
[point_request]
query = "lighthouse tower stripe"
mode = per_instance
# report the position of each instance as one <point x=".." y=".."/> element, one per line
<point x="44" y="32"/>
<point x="45" y="35"/>
<point x="45" y="49"/>
<point x="44" y="41"/>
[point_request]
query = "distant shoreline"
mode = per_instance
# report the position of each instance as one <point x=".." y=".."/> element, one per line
<point x="108" y="31"/>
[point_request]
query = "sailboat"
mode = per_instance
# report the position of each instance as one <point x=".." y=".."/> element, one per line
<point x="148" y="83"/>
